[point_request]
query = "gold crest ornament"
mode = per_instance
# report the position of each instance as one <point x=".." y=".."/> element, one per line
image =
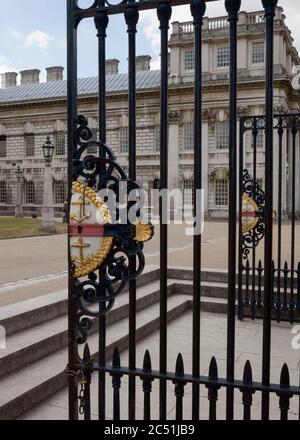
<point x="88" y="215"/>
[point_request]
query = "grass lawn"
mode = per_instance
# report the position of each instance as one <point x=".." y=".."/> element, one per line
<point x="11" y="227"/>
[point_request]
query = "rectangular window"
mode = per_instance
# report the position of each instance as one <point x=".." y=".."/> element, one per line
<point x="189" y="59"/>
<point x="124" y="144"/>
<point x="222" y="135"/>
<point x="60" y="192"/>
<point x="221" y="192"/>
<point x="3" y="146"/>
<point x="60" y="143"/>
<point x="188" y="136"/>
<point x="188" y="192"/>
<point x="3" y="192"/>
<point x="258" y="53"/>
<point x="29" y="193"/>
<point x="29" y="145"/>
<point x="223" y="56"/>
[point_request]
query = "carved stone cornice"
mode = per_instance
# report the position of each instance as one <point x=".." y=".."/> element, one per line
<point x="174" y="117"/>
<point x="209" y="115"/>
<point x="242" y="110"/>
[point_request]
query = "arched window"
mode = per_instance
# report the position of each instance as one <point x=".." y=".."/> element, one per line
<point x="60" y="192"/>
<point x="3" y="192"/>
<point x="29" y="193"/>
<point x="3" y="146"/>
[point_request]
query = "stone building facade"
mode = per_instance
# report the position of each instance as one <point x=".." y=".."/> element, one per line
<point x="32" y="110"/>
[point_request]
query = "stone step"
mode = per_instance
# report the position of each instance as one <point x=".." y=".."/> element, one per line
<point x="32" y="312"/>
<point x="39" y="341"/>
<point x="23" y="389"/>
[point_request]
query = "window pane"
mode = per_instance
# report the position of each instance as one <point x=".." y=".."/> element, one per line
<point x="221" y="192"/>
<point x="29" y="144"/>
<point x="3" y="192"/>
<point x="2" y="146"/>
<point x="188" y="193"/>
<point x="29" y="193"/>
<point x="222" y="135"/>
<point x="60" y="192"/>
<point x="189" y="59"/>
<point x="223" y="56"/>
<point x="60" y="143"/>
<point x="258" y="53"/>
<point x="124" y="147"/>
<point x="188" y="136"/>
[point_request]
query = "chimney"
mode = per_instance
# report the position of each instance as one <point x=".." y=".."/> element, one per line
<point x="112" y="66"/>
<point x="31" y="76"/>
<point x="55" y="73"/>
<point x="9" y="79"/>
<point x="142" y="63"/>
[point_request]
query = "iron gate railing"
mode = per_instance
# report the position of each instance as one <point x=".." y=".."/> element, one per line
<point x="285" y="293"/>
<point x="87" y="174"/>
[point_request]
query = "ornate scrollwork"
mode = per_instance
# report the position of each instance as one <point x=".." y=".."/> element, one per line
<point x="253" y="230"/>
<point x="96" y="294"/>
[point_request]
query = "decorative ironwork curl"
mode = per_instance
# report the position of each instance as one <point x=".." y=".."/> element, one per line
<point x="96" y="295"/>
<point x="252" y="237"/>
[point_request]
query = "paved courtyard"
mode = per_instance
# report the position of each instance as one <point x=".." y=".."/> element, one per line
<point x="35" y="266"/>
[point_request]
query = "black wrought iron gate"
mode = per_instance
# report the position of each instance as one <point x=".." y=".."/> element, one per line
<point x="285" y="292"/>
<point x="94" y="284"/>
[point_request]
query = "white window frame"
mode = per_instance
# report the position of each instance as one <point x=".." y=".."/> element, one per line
<point x="222" y="135"/>
<point x="224" y="193"/>
<point x="26" y="140"/>
<point x="188" y="193"/>
<point x="255" y="60"/>
<point x="60" y="192"/>
<point x="3" y="192"/>
<point x="124" y="140"/>
<point x="188" y="136"/>
<point x="223" y="59"/>
<point x="29" y="190"/>
<point x="189" y="60"/>
<point x="60" y="143"/>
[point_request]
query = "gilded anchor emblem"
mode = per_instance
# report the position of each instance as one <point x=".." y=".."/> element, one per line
<point x="82" y="203"/>
<point x="81" y="246"/>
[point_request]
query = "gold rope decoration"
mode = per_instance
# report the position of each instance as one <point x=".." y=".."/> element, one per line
<point x="107" y="242"/>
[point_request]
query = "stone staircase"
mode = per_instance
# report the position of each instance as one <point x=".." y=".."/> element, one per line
<point x="32" y="366"/>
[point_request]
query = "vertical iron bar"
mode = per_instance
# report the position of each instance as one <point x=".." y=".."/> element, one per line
<point x="198" y="8"/>
<point x="232" y="8"/>
<point x="147" y="385"/>
<point x="179" y="387"/>
<point x="87" y="384"/>
<point x="164" y="12"/>
<point x="293" y="220"/>
<point x="279" y="205"/>
<point x="240" y="263"/>
<point x="253" y="296"/>
<point x="72" y="115"/>
<point x="131" y="18"/>
<point x="101" y="23"/>
<point x="269" y="7"/>
<point x="116" y="384"/>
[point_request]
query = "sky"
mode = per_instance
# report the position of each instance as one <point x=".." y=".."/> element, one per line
<point x="33" y="33"/>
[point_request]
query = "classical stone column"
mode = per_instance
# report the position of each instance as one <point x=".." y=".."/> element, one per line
<point x="48" y="210"/>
